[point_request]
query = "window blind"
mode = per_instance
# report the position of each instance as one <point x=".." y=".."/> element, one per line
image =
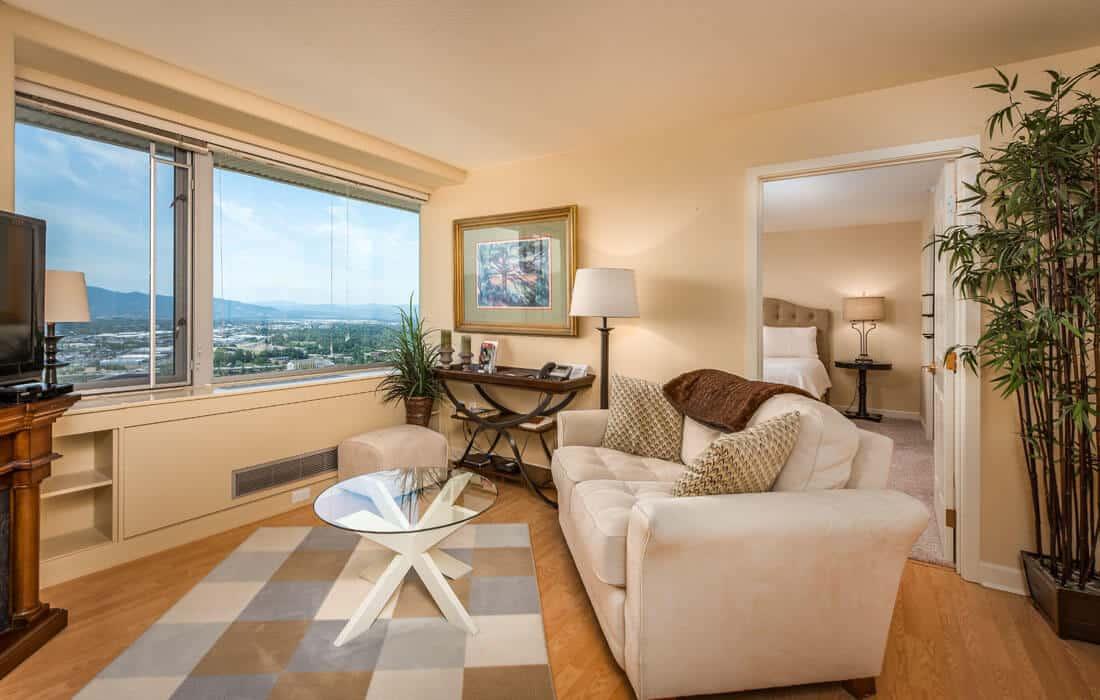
<point x="293" y="175"/>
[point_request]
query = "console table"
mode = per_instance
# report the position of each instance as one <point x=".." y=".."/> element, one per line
<point x="863" y="367"/>
<point x="554" y="395"/>
<point x="26" y="451"/>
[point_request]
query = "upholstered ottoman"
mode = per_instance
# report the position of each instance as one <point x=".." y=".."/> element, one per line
<point x="390" y="448"/>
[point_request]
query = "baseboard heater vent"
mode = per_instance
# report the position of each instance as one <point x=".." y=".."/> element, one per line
<point x="249" y="480"/>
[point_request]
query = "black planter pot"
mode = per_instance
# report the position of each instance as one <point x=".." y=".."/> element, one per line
<point x="1072" y="612"/>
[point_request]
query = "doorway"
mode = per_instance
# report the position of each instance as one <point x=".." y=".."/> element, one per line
<point x="852" y="231"/>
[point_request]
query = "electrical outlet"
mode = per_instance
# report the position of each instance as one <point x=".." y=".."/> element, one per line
<point x="299" y="495"/>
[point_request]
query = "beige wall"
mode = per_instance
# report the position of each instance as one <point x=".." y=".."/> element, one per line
<point x="820" y="268"/>
<point x="670" y="205"/>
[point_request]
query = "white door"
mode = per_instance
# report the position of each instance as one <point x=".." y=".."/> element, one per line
<point x="928" y="327"/>
<point x="943" y="380"/>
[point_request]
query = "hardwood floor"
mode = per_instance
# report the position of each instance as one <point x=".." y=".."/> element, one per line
<point x="949" y="639"/>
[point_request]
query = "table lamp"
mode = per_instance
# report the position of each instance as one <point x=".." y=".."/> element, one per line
<point x="864" y="310"/>
<point x="66" y="302"/>
<point x="604" y="292"/>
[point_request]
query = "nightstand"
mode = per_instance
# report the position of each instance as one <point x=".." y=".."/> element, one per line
<point x="863" y="367"/>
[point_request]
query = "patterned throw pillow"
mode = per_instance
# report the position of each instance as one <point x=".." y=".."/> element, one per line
<point x="641" y="420"/>
<point x="745" y="462"/>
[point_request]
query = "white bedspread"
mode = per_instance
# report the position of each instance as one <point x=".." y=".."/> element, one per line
<point x="803" y="372"/>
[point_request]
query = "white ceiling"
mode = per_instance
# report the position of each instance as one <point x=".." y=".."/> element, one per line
<point x="475" y="82"/>
<point x="884" y="195"/>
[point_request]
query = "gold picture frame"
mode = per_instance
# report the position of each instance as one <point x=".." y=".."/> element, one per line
<point x="513" y="273"/>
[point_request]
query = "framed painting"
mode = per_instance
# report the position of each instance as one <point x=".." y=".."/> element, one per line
<point x="514" y="272"/>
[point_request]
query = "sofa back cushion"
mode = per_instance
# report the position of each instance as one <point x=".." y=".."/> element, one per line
<point x="871" y="467"/>
<point x="827" y="443"/>
<point x="743" y="462"/>
<point x="697" y="437"/>
<point x="641" y="421"/>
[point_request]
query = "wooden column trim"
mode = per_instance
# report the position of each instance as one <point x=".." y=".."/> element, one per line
<point x="26" y="449"/>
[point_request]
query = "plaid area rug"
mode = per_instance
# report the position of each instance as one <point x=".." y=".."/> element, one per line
<point x="261" y="625"/>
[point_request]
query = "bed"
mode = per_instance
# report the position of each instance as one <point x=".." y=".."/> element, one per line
<point x="804" y="366"/>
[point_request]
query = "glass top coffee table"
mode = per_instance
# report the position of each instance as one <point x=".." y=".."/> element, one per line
<point x="408" y="511"/>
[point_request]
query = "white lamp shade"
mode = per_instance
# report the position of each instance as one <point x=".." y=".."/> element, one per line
<point x="66" y="297"/>
<point x="604" y="291"/>
<point x="864" y="308"/>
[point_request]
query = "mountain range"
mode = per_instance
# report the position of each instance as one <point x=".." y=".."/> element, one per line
<point x="107" y="303"/>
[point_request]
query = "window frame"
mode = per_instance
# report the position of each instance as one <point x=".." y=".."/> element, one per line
<point x="198" y="277"/>
<point x="290" y="375"/>
<point x="183" y="234"/>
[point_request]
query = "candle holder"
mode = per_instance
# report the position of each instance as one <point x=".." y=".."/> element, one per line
<point x="466" y="356"/>
<point x="445" y="356"/>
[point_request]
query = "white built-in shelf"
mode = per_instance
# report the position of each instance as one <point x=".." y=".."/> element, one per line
<point x="71" y="542"/>
<point x="74" y="482"/>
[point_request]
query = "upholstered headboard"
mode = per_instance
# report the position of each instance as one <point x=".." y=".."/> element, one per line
<point x="778" y="312"/>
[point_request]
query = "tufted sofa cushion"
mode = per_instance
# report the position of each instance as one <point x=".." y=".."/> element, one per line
<point x="575" y="464"/>
<point x="600" y="515"/>
<point x="827" y="443"/>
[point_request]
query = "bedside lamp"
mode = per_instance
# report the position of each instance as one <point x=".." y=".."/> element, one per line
<point x="604" y="292"/>
<point x="864" y="310"/>
<point x="66" y="302"/>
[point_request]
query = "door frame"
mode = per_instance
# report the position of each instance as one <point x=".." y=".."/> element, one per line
<point x="967" y="424"/>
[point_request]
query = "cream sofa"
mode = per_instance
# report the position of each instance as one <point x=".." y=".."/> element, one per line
<point x="725" y="593"/>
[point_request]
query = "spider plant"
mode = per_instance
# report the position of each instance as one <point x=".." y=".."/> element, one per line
<point x="413" y="359"/>
<point x="1032" y="260"/>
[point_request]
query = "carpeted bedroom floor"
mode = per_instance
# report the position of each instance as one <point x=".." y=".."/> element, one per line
<point x="913" y="473"/>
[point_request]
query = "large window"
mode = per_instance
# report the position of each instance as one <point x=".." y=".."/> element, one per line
<point x="118" y="208"/>
<point x="300" y="267"/>
<point x="308" y="272"/>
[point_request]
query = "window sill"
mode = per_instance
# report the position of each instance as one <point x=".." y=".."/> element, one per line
<point x="129" y="399"/>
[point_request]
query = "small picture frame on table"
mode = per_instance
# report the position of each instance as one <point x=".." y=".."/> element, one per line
<point x="487" y="358"/>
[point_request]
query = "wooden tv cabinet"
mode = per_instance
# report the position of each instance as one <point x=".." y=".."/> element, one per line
<point x="26" y="451"/>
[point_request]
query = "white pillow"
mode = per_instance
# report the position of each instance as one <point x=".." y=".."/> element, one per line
<point x="782" y="341"/>
<point x="827" y="444"/>
<point x="790" y="342"/>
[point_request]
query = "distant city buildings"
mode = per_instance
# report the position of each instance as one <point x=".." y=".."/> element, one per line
<point x="107" y="349"/>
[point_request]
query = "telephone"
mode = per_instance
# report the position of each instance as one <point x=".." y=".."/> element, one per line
<point x="553" y="370"/>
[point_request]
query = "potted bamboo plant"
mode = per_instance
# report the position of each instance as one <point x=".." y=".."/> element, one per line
<point x="413" y="361"/>
<point x="1032" y="260"/>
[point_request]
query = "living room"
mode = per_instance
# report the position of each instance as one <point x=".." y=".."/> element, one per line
<point x="282" y="223"/>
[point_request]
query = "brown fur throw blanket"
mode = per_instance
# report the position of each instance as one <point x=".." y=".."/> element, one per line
<point x="720" y="399"/>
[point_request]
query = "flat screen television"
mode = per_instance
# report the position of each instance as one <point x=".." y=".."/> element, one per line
<point x="22" y="298"/>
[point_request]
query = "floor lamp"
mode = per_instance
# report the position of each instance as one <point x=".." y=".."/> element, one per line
<point x="604" y="292"/>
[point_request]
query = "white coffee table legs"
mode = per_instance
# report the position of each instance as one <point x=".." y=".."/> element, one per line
<point x="442" y="593"/>
<point x="451" y="567"/>
<point x="379" y="595"/>
<point x="413" y="551"/>
<point x="414" y="548"/>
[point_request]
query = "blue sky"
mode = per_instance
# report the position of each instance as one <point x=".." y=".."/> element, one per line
<point x="272" y="242"/>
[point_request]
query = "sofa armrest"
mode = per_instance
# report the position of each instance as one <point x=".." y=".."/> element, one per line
<point x="583" y="428"/>
<point x="728" y="593"/>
